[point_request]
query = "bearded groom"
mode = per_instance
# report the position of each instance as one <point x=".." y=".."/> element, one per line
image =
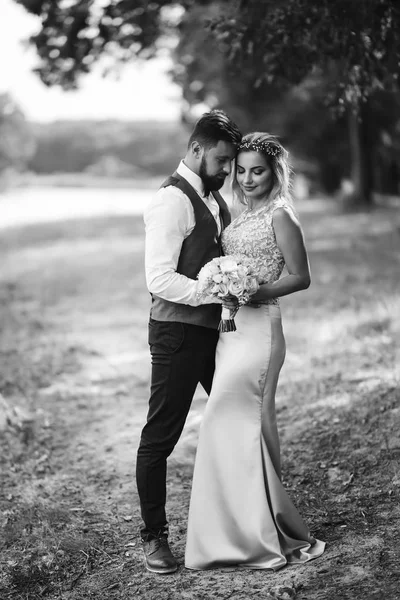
<point x="184" y="222"/>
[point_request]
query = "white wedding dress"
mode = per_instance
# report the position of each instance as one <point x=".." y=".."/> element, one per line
<point x="240" y="513"/>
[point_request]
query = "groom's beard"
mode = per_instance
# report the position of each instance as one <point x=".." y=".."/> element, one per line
<point x="212" y="183"/>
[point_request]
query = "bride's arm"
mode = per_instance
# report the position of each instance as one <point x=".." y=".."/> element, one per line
<point x="290" y="241"/>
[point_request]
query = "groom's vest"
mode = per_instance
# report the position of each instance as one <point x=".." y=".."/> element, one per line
<point x="202" y="245"/>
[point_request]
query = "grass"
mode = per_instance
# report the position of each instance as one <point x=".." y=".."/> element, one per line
<point x="74" y="377"/>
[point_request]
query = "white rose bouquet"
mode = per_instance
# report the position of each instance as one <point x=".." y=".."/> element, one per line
<point x="225" y="276"/>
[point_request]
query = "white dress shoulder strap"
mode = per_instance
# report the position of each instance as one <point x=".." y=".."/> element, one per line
<point x="283" y="203"/>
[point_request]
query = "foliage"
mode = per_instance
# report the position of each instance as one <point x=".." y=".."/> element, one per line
<point x="281" y="42"/>
<point x="317" y="137"/>
<point x="297" y="113"/>
<point x="352" y="46"/>
<point x="114" y="147"/>
<point x="75" y="34"/>
<point x="16" y="142"/>
<point x="205" y="76"/>
<point x="271" y="65"/>
<point x="288" y="41"/>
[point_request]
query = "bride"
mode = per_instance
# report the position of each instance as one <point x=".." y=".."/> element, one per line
<point x="240" y="514"/>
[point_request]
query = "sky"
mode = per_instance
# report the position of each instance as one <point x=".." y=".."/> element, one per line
<point x="143" y="91"/>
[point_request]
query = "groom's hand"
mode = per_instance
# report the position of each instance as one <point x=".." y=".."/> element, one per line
<point x="230" y="302"/>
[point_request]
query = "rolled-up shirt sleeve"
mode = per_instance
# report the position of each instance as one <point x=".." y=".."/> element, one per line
<point x="168" y="222"/>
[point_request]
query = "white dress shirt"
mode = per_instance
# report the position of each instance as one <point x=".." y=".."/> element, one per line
<point x="169" y="220"/>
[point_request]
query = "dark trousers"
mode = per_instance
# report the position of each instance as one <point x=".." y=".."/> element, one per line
<point x="182" y="356"/>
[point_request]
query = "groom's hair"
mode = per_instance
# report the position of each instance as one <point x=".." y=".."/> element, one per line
<point x="215" y="126"/>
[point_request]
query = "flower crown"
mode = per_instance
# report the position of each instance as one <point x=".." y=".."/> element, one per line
<point x="265" y="147"/>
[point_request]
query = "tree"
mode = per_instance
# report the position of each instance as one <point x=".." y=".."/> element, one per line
<point x="296" y="114"/>
<point x="271" y="48"/>
<point x="357" y="42"/>
<point x="136" y="147"/>
<point x="76" y="34"/>
<point x="16" y="140"/>
<point x="206" y="77"/>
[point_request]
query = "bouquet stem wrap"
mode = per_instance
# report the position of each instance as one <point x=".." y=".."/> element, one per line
<point x="227" y="322"/>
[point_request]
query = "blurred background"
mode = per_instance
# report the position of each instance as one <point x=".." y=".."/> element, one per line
<point x="120" y="131"/>
<point x="105" y="92"/>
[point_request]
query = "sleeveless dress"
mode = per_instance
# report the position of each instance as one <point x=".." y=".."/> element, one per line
<point x="240" y="514"/>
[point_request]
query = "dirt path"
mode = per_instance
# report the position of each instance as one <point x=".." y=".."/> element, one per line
<point x="74" y="357"/>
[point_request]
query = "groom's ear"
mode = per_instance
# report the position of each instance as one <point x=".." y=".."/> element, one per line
<point x="197" y="149"/>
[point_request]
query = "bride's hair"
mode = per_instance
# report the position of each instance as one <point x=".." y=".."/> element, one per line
<point x="277" y="159"/>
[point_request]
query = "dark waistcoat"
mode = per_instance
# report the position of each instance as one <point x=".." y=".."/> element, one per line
<point x="202" y="245"/>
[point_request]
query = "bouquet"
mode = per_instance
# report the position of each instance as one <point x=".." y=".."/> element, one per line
<point x="225" y="276"/>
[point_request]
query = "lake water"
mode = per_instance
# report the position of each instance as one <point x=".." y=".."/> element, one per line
<point x="24" y="206"/>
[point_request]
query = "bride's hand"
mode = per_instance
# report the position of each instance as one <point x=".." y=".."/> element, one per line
<point x="254" y="301"/>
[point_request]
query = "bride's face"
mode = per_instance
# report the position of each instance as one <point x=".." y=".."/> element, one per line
<point x="253" y="175"/>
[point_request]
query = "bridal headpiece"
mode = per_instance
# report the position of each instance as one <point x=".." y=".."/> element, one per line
<point x="265" y="147"/>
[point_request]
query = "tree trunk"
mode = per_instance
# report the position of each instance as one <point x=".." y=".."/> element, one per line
<point x="361" y="157"/>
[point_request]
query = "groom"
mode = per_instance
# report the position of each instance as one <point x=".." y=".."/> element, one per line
<point x="183" y="222"/>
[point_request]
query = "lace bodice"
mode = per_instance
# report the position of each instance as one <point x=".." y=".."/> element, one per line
<point x="252" y="234"/>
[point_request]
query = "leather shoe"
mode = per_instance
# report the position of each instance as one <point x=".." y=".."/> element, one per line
<point x="158" y="556"/>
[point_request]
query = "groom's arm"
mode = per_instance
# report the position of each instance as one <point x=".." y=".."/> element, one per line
<point x="169" y="219"/>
